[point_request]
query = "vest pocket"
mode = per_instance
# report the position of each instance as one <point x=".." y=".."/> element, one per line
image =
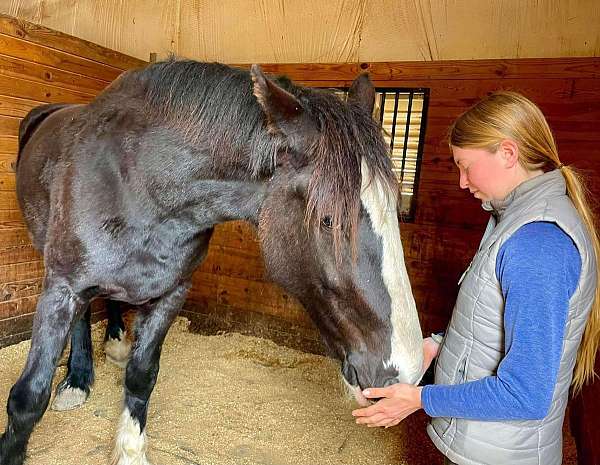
<point x="461" y="372"/>
<point x="459" y="377"/>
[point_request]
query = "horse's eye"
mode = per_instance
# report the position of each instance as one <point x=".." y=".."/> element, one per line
<point x="327" y="222"/>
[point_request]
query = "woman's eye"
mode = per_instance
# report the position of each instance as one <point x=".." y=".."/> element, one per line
<point x="327" y="222"/>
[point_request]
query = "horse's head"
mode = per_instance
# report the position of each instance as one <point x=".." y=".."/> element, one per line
<point x="329" y="230"/>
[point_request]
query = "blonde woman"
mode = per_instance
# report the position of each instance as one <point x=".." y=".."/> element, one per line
<point x="526" y="323"/>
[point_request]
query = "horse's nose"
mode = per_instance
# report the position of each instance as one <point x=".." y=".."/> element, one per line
<point x="390" y="381"/>
<point x="350" y="373"/>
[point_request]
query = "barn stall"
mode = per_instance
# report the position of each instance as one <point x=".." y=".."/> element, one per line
<point x="426" y="71"/>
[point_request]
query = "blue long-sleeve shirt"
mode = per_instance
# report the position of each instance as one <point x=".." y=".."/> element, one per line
<point x="538" y="268"/>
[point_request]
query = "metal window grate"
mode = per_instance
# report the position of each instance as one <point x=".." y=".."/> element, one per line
<point x="402" y="113"/>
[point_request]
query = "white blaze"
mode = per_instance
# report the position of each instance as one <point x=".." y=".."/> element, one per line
<point x="130" y="443"/>
<point x="407" y="342"/>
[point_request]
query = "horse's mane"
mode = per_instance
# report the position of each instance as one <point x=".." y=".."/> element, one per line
<point x="215" y="103"/>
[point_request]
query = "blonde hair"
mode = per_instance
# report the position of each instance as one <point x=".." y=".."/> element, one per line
<point x="509" y="115"/>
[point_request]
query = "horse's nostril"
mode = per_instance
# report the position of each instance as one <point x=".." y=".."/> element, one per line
<point x="350" y="374"/>
<point x="389" y="382"/>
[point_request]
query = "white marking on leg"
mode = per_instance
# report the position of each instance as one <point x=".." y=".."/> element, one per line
<point x="117" y="350"/>
<point x="407" y="342"/>
<point x="69" y="399"/>
<point x="130" y="443"/>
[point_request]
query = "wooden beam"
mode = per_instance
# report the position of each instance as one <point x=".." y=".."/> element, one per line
<point x="26" y="50"/>
<point x="529" y="68"/>
<point x="65" y="43"/>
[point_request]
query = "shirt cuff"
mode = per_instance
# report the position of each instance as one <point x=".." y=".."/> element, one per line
<point x="426" y="400"/>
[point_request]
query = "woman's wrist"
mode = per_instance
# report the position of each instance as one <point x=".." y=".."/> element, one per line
<point x="418" y="401"/>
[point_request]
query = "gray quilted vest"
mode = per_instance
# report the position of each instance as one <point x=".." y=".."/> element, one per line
<point x="474" y="343"/>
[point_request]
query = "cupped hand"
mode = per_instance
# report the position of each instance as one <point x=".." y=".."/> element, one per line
<point x="396" y="403"/>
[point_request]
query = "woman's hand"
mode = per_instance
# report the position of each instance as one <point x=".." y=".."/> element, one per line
<point x="398" y="401"/>
<point x="430" y="351"/>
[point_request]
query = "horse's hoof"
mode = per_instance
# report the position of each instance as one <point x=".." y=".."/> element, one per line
<point x="117" y="350"/>
<point x="68" y="398"/>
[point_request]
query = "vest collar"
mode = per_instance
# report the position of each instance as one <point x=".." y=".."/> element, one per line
<point x="551" y="183"/>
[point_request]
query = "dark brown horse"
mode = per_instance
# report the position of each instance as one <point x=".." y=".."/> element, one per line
<point x="122" y="195"/>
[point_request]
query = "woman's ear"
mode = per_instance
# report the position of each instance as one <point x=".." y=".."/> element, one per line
<point x="509" y="151"/>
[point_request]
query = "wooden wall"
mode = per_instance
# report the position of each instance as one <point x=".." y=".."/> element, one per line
<point x="449" y="222"/>
<point x="37" y="65"/>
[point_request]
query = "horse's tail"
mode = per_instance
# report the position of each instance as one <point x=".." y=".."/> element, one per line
<point x="32" y="120"/>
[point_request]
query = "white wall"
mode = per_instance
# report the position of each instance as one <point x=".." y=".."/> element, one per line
<point x="241" y="31"/>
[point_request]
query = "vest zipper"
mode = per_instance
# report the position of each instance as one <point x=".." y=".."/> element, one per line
<point x="462" y="276"/>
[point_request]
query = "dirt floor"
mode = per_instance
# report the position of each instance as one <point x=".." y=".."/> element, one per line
<point x="225" y="400"/>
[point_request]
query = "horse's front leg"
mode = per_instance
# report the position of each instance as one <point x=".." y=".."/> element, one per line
<point x="56" y="308"/>
<point x="142" y="370"/>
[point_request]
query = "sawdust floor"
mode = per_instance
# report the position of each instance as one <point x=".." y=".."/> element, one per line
<point x="224" y="400"/>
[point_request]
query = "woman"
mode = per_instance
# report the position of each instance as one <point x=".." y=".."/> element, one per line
<point x="526" y="323"/>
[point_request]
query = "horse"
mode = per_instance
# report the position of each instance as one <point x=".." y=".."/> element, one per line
<point x="122" y="194"/>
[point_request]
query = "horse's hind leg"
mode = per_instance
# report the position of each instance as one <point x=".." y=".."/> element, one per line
<point x="142" y="370"/>
<point x="74" y="390"/>
<point x="116" y="345"/>
<point x="28" y="399"/>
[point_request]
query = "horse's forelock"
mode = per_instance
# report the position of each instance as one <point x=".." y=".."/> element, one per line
<point x="348" y="137"/>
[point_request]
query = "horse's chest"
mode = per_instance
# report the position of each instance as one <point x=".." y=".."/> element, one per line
<point x="145" y="264"/>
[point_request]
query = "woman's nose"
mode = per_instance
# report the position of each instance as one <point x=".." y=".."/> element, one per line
<point x="463" y="181"/>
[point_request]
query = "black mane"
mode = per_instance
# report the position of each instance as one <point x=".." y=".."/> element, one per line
<point x="215" y="103"/>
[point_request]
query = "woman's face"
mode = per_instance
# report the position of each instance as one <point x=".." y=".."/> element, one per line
<point x="484" y="173"/>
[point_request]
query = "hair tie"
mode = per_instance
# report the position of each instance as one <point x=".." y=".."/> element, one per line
<point x="560" y="166"/>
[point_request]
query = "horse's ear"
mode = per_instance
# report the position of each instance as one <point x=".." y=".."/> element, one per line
<point x="362" y="92"/>
<point x="281" y="108"/>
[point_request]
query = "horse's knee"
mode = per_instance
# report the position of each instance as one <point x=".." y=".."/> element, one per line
<point x="27" y="401"/>
<point x="140" y="378"/>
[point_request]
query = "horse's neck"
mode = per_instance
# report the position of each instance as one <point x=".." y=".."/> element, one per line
<point x="228" y="200"/>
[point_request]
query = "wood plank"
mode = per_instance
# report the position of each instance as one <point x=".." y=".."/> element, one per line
<point x="25" y="50"/>
<point x="8" y="200"/>
<point x="14" y="236"/>
<point x="527" y="68"/>
<point x="30" y="71"/>
<point x="11" y="219"/>
<point x="6" y="162"/>
<point x="17" y="307"/>
<point x="14" y="106"/>
<point x="260" y="297"/>
<point x="9" y="125"/>
<point x="39" y="91"/>
<point x="20" y="289"/>
<point x="423" y="243"/>
<point x="585" y="409"/>
<point x="18" y="254"/>
<point x="16" y="325"/>
<point x="233" y="262"/>
<point x="7" y="182"/>
<point x="15" y="338"/>
<point x="237" y="234"/>
<point x="21" y="271"/>
<point x="63" y="42"/>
